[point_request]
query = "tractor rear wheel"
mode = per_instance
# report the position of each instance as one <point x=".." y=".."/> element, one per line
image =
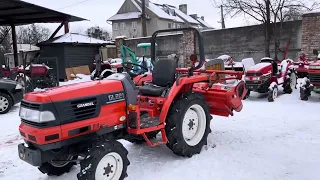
<point x="273" y="93"/>
<point x="304" y="93"/>
<point x="188" y="124"/>
<point x="58" y="168"/>
<point x="106" y="161"/>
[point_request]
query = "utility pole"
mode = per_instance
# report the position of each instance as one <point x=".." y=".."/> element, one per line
<point x="222" y="18"/>
<point x="143" y="18"/>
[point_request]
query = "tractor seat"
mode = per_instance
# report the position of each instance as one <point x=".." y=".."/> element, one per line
<point x="163" y="77"/>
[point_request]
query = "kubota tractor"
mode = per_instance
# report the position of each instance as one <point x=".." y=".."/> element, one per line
<point x="265" y="77"/>
<point x="312" y="82"/>
<point x="82" y="122"/>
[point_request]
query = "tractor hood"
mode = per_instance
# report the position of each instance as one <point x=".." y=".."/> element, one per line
<point x="260" y="67"/>
<point x="315" y="63"/>
<point x="75" y="91"/>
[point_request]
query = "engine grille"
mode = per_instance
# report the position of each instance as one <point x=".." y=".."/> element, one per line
<point x="72" y="111"/>
<point x="34" y="124"/>
<point x="314" y="77"/>
<point x="30" y="105"/>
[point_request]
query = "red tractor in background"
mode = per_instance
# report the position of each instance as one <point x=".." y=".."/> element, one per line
<point x="312" y="82"/>
<point x="61" y="124"/>
<point x="302" y="66"/>
<point x="265" y="77"/>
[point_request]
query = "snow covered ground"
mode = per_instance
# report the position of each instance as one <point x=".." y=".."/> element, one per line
<point x="266" y="141"/>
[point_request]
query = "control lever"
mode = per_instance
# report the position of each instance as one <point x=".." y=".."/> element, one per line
<point x="144" y="75"/>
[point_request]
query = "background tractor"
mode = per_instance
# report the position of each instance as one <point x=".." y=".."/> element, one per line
<point x="312" y="82"/>
<point x="265" y="77"/>
<point x="83" y="121"/>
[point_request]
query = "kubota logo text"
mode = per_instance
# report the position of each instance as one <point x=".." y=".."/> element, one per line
<point x="85" y="105"/>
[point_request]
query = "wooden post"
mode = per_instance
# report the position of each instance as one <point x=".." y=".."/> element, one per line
<point x="14" y="45"/>
<point x="143" y="18"/>
<point x="66" y="27"/>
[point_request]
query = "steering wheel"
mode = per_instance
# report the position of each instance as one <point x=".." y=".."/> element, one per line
<point x="129" y="67"/>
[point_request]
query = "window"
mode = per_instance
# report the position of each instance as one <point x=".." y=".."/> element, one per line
<point x="169" y="25"/>
<point x="178" y="26"/>
<point x="122" y="26"/>
<point x="115" y="26"/>
<point x="173" y="25"/>
<point x="134" y="25"/>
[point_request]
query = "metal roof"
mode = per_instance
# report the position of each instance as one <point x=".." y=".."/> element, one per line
<point x="18" y="12"/>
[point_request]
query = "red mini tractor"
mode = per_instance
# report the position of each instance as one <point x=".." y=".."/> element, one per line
<point x="82" y="122"/>
<point x="312" y="82"/>
<point x="302" y="66"/>
<point x="36" y="76"/>
<point x="265" y="77"/>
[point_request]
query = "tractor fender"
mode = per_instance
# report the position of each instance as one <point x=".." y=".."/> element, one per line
<point x="175" y="91"/>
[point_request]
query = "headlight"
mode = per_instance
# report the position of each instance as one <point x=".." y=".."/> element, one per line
<point x="256" y="78"/>
<point x="18" y="86"/>
<point x="36" y="116"/>
<point x="314" y="67"/>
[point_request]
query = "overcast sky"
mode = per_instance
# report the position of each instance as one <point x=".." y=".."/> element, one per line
<point x="98" y="11"/>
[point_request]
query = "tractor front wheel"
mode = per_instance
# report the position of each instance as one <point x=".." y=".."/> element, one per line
<point x="106" y="161"/>
<point x="291" y="82"/>
<point x="188" y="124"/>
<point x="58" y="168"/>
<point x="273" y="93"/>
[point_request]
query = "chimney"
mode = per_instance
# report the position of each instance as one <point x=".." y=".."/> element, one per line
<point x="202" y="17"/>
<point x="194" y="16"/>
<point x="147" y="2"/>
<point x="183" y="8"/>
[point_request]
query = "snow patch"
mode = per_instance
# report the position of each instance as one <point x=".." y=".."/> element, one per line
<point x="259" y="66"/>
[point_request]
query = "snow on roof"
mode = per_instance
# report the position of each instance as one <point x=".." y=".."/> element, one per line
<point x="186" y="17"/>
<point x="76" y="38"/>
<point x="204" y="23"/>
<point x="129" y="15"/>
<point x="158" y="10"/>
<point x="26" y="47"/>
<point x="172" y="11"/>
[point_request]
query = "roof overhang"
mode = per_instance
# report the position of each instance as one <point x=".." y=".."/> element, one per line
<point x="16" y="12"/>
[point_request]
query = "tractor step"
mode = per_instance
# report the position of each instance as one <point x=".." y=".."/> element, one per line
<point x="145" y="121"/>
<point x="164" y="139"/>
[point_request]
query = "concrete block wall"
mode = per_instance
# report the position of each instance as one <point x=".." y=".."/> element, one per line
<point x="310" y="33"/>
<point x="240" y="43"/>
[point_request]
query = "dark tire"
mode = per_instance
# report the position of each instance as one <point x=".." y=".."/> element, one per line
<point x="6" y="103"/>
<point x="175" y="124"/>
<point x="273" y="93"/>
<point x="139" y="139"/>
<point x="26" y="84"/>
<point x="291" y="82"/>
<point x="53" y="170"/>
<point x="91" y="164"/>
<point x="304" y="94"/>
<point x="247" y="95"/>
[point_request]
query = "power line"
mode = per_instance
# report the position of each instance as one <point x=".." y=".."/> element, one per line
<point x="74" y="4"/>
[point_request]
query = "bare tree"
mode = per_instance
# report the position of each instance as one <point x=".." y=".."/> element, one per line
<point x="98" y="33"/>
<point x="5" y="39"/>
<point x="32" y="34"/>
<point x="267" y="12"/>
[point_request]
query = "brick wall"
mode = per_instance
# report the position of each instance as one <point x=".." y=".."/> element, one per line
<point x="310" y="33"/>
